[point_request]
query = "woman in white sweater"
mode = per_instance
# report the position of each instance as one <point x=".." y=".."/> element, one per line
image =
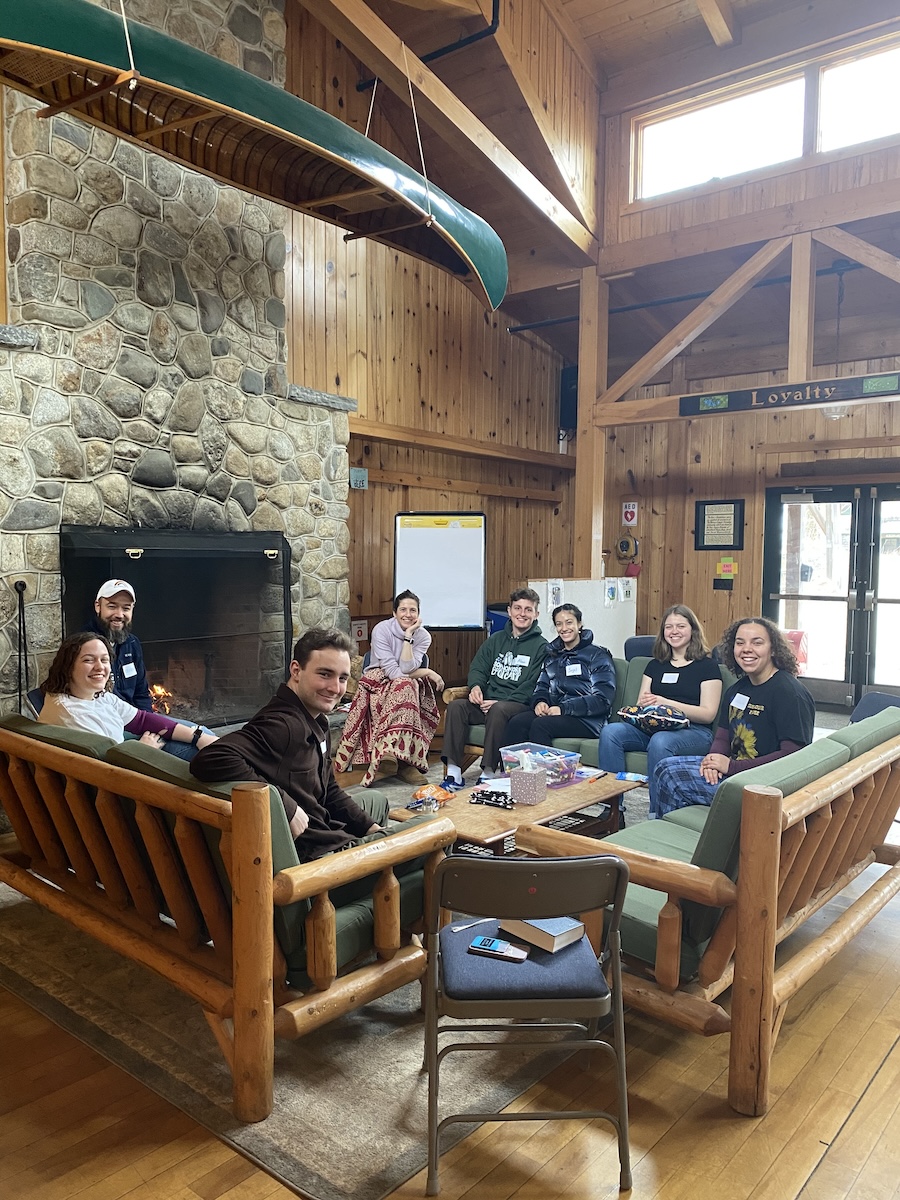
<point x="394" y="713"/>
<point x="78" y="695"/>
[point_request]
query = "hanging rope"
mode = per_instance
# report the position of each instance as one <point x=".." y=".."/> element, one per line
<point x="412" y="101"/>
<point x="371" y="107"/>
<point x="132" y="83"/>
<point x="22" y="640"/>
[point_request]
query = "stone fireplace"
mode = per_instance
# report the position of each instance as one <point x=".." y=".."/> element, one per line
<point x="143" y="375"/>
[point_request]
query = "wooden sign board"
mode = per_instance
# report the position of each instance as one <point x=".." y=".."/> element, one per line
<point x="792" y="395"/>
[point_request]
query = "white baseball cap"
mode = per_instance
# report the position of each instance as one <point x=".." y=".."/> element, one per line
<point x="112" y="587"/>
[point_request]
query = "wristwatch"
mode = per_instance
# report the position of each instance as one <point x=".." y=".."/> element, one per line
<point x="198" y="734"/>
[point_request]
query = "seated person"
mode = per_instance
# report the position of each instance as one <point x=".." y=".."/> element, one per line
<point x="501" y="679"/>
<point x="113" y="609"/>
<point x="287" y="745"/>
<point x="575" y="689"/>
<point x="394" y="713"/>
<point x="78" y="695"/>
<point x="683" y="675"/>
<point x="765" y="715"/>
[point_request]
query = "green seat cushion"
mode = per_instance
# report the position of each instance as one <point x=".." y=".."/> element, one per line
<point x="642" y="904"/>
<point x="866" y="735"/>
<point x="93" y="745"/>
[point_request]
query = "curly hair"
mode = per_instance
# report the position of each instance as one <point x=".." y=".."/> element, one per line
<point x="59" y="677"/>
<point x="783" y="656"/>
<point x="697" y="647"/>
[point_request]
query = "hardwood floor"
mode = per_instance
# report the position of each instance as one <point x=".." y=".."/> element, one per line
<point x="72" y="1127"/>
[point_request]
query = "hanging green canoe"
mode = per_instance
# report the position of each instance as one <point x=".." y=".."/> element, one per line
<point x="224" y="122"/>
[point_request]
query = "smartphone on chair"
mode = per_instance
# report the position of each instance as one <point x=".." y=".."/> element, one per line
<point x="495" y="948"/>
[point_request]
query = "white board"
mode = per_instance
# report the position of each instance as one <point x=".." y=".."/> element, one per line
<point x="441" y="557"/>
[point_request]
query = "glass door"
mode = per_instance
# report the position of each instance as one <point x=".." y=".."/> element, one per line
<point x="831" y="578"/>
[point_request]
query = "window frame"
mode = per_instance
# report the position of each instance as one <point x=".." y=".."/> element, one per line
<point x="812" y="70"/>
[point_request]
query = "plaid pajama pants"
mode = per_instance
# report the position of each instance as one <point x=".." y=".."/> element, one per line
<point x="677" y="783"/>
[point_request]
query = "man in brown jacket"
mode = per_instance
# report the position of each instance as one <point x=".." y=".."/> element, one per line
<point x="287" y="744"/>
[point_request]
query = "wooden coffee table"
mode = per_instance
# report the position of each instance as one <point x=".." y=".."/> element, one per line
<point x="484" y="826"/>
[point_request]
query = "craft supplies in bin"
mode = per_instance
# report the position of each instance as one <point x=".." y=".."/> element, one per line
<point x="528" y="787"/>
<point x="560" y="765"/>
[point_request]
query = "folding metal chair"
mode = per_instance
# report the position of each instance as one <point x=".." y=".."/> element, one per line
<point x="568" y="985"/>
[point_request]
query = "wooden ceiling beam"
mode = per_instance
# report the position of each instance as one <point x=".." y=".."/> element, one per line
<point x="720" y="20"/>
<point x="803" y="307"/>
<point x="801" y="216"/>
<point x="850" y="246"/>
<point x="369" y="38"/>
<point x="377" y="431"/>
<point x="707" y="311"/>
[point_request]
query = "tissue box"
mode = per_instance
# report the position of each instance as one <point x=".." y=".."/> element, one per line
<point x="528" y="787"/>
<point x="560" y="765"/>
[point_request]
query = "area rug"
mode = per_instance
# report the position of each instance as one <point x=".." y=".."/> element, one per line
<point x="350" y="1100"/>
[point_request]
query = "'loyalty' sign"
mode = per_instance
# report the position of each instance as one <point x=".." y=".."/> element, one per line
<point x="792" y="395"/>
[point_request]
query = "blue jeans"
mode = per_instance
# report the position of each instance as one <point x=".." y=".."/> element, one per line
<point x="620" y="737"/>
<point x="184" y="749"/>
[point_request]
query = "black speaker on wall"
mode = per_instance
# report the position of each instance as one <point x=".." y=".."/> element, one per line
<point x="568" y="398"/>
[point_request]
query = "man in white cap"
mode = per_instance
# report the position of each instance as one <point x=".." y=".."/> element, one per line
<point x="112" y="619"/>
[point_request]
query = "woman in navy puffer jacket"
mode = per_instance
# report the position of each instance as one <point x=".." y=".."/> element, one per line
<point x="575" y="690"/>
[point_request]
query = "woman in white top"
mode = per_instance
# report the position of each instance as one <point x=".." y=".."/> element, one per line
<point x="394" y="713"/>
<point x="78" y="695"/>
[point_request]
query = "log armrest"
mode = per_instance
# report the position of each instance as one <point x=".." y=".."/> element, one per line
<point x="454" y="693"/>
<point x="680" y="880"/>
<point x="323" y="874"/>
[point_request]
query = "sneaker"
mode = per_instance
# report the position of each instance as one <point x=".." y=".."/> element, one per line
<point x="490" y="778"/>
<point x="452" y="785"/>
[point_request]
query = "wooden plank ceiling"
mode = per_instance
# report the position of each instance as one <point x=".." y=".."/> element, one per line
<point x="496" y="151"/>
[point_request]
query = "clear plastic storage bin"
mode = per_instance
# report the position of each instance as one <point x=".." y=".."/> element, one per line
<point x="560" y="765"/>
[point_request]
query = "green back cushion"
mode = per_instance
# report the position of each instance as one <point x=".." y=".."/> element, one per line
<point x="866" y="735"/>
<point x="719" y="842"/>
<point x="94" y="745"/>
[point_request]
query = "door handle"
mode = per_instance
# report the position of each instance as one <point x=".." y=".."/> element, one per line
<point x="851" y="601"/>
<point x="870" y="601"/>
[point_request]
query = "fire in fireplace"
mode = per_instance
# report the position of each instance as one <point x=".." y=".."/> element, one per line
<point x="213" y="611"/>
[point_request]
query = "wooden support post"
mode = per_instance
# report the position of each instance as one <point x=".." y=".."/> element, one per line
<point x="590" y="472"/>
<point x="752" y="995"/>
<point x="254" y="1018"/>
<point x="803" y="307"/>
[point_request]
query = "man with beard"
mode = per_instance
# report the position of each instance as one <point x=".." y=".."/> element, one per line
<point x="112" y="618"/>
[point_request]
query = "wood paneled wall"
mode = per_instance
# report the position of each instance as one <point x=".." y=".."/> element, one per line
<point x="415" y="349"/>
<point x="548" y="56"/>
<point x="668" y="466"/>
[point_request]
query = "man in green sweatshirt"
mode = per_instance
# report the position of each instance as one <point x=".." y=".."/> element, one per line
<point x="501" y="679"/>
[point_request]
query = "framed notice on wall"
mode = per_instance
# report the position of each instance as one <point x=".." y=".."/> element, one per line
<point x="719" y="525"/>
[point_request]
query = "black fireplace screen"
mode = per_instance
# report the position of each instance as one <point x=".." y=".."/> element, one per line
<point x="213" y="611"/>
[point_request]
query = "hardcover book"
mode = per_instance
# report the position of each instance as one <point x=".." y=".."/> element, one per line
<point x="550" y="934"/>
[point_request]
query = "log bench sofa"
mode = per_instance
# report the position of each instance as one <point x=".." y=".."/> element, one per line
<point x="123" y="843"/>
<point x="714" y="890"/>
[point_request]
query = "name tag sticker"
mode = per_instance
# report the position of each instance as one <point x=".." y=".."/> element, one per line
<point x="521" y="660"/>
<point x="129" y="669"/>
<point x="670" y="677"/>
<point x="573" y="668"/>
<point x="323" y="746"/>
<point x="739" y="702"/>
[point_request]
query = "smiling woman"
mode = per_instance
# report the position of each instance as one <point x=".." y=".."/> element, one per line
<point x="765" y="715"/>
<point x="78" y="695"/>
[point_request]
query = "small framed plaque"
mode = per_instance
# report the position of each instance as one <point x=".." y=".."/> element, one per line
<point x="719" y="525"/>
